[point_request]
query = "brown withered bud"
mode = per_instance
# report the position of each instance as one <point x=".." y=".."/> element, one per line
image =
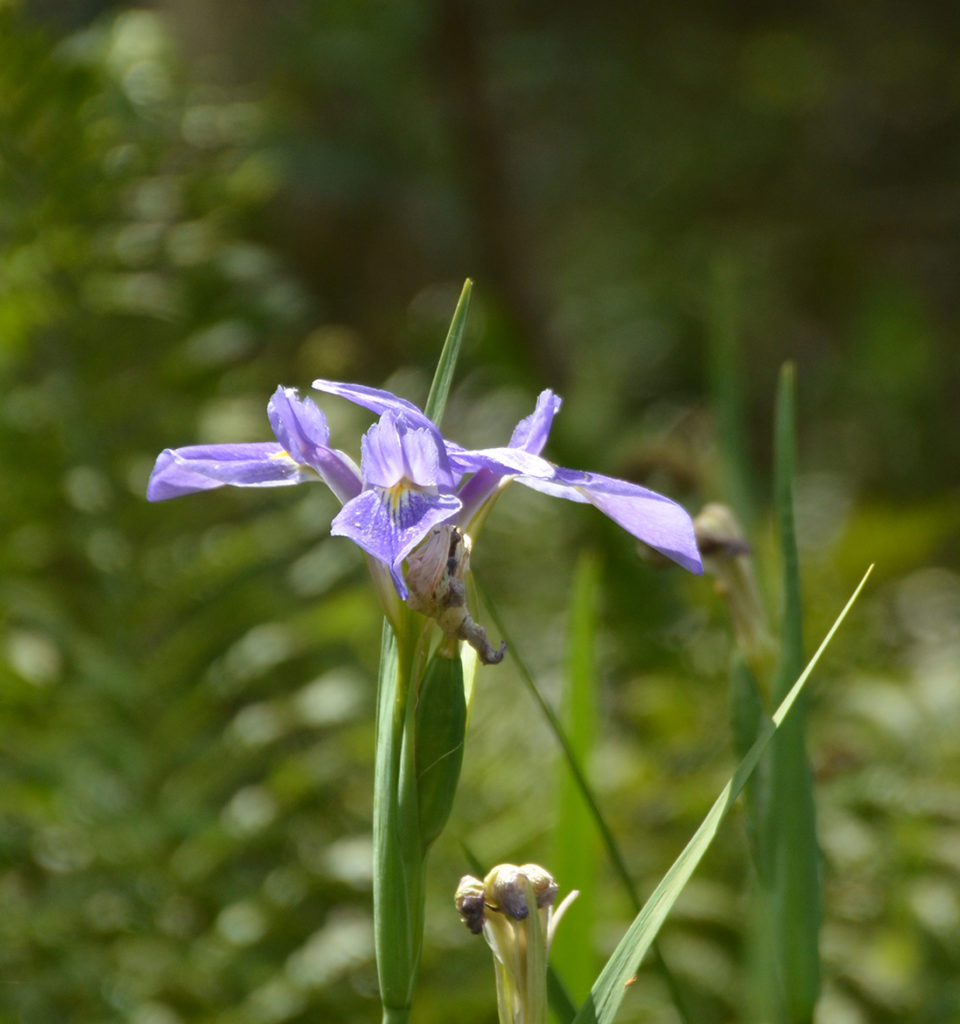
<point x="470" y="902"/>
<point x="506" y="889"/>
<point x="435" y="581"/>
<point x="726" y="556"/>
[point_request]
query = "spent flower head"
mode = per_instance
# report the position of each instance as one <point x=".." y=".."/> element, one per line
<point x="513" y="908"/>
<point x="727" y="557"/>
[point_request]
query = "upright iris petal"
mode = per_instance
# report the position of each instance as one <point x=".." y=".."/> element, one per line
<point x="403" y="467"/>
<point x="302" y="430"/>
<point x="531" y="433"/>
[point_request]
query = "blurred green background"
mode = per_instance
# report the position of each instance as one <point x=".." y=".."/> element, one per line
<point x="659" y="205"/>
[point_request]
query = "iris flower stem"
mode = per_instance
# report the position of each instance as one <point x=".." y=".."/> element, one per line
<point x="398" y="862"/>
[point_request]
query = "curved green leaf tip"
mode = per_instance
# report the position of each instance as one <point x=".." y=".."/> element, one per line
<point x="447" y="365"/>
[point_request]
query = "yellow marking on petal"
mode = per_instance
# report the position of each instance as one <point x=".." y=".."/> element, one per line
<point x="397" y="494"/>
<point x="302" y="466"/>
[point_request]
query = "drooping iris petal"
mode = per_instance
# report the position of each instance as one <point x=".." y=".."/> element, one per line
<point x="389" y="523"/>
<point x="657" y="521"/>
<point x="202" y="467"/>
<point x="531" y="433"/>
<point x="302" y="430"/>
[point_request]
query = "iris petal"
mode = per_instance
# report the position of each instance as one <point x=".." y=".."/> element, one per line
<point x="202" y="467"/>
<point x="302" y="430"/>
<point x="394" y="449"/>
<point x="502" y="461"/>
<point x="297" y="424"/>
<point x="531" y="433"/>
<point x="388" y="523"/>
<point x="657" y="521"/>
<point x="376" y="400"/>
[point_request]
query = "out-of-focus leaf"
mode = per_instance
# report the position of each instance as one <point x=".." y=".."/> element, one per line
<point x="794" y="885"/>
<point x="574" y="858"/>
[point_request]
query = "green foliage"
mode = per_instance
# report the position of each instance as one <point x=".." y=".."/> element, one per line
<point x="187" y="691"/>
<point x="440" y="727"/>
<point x="398" y="850"/>
<point x="575" y="844"/>
<point x="619" y="972"/>
<point x="793" y="887"/>
<point x="447" y="364"/>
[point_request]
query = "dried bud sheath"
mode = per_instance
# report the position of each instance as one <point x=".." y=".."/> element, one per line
<point x="435" y="580"/>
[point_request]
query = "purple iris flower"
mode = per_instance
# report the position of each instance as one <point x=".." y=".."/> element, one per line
<point x="411" y="479"/>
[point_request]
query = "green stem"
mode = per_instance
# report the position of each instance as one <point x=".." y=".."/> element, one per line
<point x="398" y="875"/>
<point x="396" y="1015"/>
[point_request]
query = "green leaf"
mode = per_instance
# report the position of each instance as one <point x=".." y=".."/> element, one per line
<point x="561" y="1004"/>
<point x="747" y="715"/>
<point x="443" y="377"/>
<point x="609" y="989"/>
<point x="441" y="724"/>
<point x="791" y="831"/>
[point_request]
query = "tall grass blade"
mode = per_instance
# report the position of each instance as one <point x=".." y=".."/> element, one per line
<point x="447" y="365"/>
<point x="608" y="992"/>
<point x="791" y="822"/>
<point x="574" y="858"/>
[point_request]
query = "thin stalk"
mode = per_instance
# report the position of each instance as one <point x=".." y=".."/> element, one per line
<point x="397" y="862"/>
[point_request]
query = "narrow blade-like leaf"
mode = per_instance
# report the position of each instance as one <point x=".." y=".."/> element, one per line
<point x="609" y="989"/>
<point x="573" y="861"/>
<point x="791" y="831"/>
<point x="446" y="367"/>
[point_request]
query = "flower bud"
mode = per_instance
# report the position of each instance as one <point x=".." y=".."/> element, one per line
<point x="726" y="555"/>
